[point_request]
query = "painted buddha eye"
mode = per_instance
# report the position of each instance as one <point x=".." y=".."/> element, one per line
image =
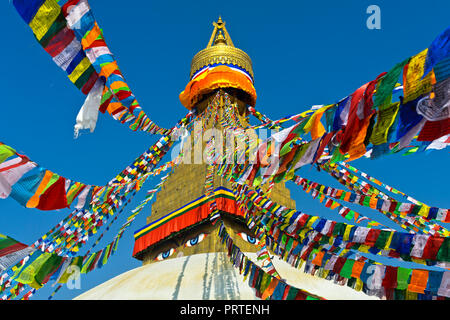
<point x="248" y="238"/>
<point x="196" y="240"/>
<point x="166" y="254"/>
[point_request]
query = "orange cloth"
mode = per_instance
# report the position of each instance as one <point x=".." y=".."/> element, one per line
<point x="116" y="85"/>
<point x="373" y="202"/>
<point x="108" y="69"/>
<point x="347" y="196"/>
<point x="357" y="269"/>
<point x="318" y="259"/>
<point x="113" y="106"/>
<point x="270" y="289"/>
<point x="314" y="125"/>
<point x="419" y="279"/>
<point x="219" y="77"/>
<point x="91" y="36"/>
<point x="34" y="200"/>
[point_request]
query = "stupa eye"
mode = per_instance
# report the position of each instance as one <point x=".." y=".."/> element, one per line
<point x="196" y="240"/>
<point x="166" y="254"/>
<point x="248" y="238"/>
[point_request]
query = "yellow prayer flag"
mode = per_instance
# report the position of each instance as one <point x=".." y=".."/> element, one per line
<point x="79" y="69"/>
<point x="346" y="236"/>
<point x="44" y="18"/>
<point x="423" y="212"/>
<point x="311" y="221"/>
<point x="413" y="86"/>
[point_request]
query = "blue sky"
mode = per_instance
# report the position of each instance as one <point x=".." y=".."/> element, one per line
<point x="304" y="53"/>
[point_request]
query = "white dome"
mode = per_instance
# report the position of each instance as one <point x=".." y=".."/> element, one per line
<point x="206" y="276"/>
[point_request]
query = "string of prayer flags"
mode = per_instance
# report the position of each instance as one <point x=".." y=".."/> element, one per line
<point x="326" y="193"/>
<point x="90" y="220"/>
<point x="431" y="248"/>
<point x="385" y="281"/>
<point x="366" y="200"/>
<point x="81" y="19"/>
<point x="35" y="187"/>
<point x="87" y="263"/>
<point x="329" y="262"/>
<point x="416" y="224"/>
<point x="49" y="26"/>
<point x="414" y="208"/>
<point x="67" y="30"/>
<point x="267" y="287"/>
<point x="368" y="122"/>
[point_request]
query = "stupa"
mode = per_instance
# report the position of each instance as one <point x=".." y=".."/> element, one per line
<point x="181" y="251"/>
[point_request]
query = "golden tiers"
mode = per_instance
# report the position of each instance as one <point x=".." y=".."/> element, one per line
<point x="221" y="50"/>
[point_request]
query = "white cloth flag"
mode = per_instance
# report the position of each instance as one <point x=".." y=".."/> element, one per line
<point x="440" y="143"/>
<point x="308" y="157"/>
<point x="88" y="114"/>
<point x="76" y="13"/>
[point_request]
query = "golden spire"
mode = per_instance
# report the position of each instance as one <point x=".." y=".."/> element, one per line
<point x="221" y="50"/>
<point x="219" y="29"/>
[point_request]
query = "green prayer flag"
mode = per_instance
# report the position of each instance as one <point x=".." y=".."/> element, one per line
<point x="386" y="85"/>
<point x="339" y="229"/>
<point x="350" y="215"/>
<point x="382" y="239"/>
<point x="48" y="268"/>
<point x="283" y="239"/>
<point x="26" y="275"/>
<point x="337" y="156"/>
<point x="292" y="293"/>
<point x="289" y="244"/>
<point x="6" y="152"/>
<point x="443" y="253"/>
<point x="402" y="278"/>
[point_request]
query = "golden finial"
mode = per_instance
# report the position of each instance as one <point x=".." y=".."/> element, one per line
<point x="220" y="39"/>
<point x="220" y="49"/>
<point x="220" y="31"/>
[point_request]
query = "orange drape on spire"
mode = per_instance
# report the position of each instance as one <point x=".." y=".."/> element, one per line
<point x="219" y="77"/>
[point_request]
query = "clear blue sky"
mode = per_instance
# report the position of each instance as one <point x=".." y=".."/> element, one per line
<point x="304" y="53"/>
